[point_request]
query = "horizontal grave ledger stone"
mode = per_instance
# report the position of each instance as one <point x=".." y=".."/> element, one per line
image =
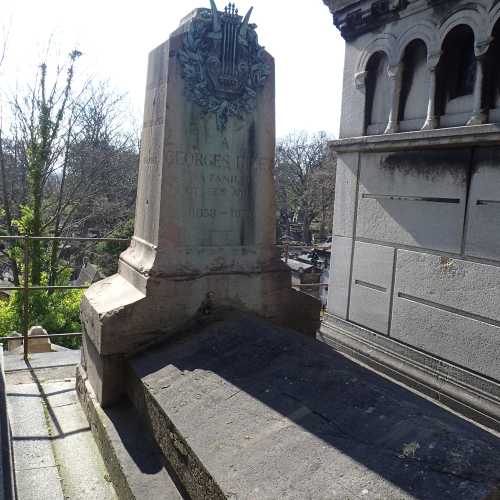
<point x="204" y="237"/>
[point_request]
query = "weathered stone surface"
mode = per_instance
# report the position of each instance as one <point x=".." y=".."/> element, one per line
<point x="36" y="473"/>
<point x="371" y="286"/>
<point x="464" y="341"/>
<point x="471" y="287"/>
<point x="271" y="414"/>
<point x="340" y="276"/>
<point x="346" y="181"/>
<point x="461" y="137"/>
<point x="43" y="366"/>
<point x="465" y="392"/>
<point x="413" y="198"/>
<point x="483" y="223"/>
<point x="82" y="470"/>
<point x="134" y="462"/>
<point x="448" y="307"/>
<point x="14" y="344"/>
<point x="38" y="345"/>
<point x="201" y="189"/>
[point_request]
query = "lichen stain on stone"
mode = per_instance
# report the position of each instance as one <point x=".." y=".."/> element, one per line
<point x="409" y="450"/>
<point x="252" y="142"/>
<point x="252" y="155"/>
<point x="485" y="157"/>
<point x="242" y="231"/>
<point x="430" y="165"/>
<point x="448" y="265"/>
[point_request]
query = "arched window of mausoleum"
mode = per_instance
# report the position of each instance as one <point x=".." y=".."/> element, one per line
<point x="456" y="77"/>
<point x="493" y="75"/>
<point x="414" y="86"/>
<point x="378" y="94"/>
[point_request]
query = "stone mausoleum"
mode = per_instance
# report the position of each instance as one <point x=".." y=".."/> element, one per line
<point x="416" y="247"/>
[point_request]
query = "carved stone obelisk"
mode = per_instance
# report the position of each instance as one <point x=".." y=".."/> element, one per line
<point x="204" y="236"/>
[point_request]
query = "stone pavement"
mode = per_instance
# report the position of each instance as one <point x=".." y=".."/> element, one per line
<point x="245" y="410"/>
<point x="55" y="455"/>
<point x="268" y="413"/>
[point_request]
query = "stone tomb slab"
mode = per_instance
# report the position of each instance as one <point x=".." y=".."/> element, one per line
<point x="483" y="225"/>
<point x="340" y="267"/>
<point x="414" y="198"/>
<point x="246" y="410"/>
<point x="373" y="268"/>
<point x="448" y="307"/>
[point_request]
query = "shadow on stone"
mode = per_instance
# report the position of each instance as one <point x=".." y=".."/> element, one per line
<point x="247" y="405"/>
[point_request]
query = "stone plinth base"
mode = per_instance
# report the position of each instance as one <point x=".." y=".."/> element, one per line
<point x="461" y="390"/>
<point x="119" y="319"/>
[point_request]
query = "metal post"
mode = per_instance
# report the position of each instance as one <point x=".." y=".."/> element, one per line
<point x="25" y="318"/>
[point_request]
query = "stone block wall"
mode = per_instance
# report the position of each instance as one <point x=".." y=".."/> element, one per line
<point x="418" y="261"/>
<point x="415" y="270"/>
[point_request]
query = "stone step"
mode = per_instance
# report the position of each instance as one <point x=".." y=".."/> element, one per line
<point x="82" y="470"/>
<point x="134" y="462"/>
<point x="246" y="410"/>
<point x="54" y="453"/>
<point x="35" y="468"/>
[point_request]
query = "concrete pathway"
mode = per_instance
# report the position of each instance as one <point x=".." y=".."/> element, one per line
<point x="55" y="455"/>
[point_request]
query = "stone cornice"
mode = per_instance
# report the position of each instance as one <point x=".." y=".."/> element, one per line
<point x="356" y="17"/>
<point x="456" y="137"/>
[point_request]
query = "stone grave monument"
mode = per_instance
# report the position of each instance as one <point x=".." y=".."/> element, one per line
<point x="204" y="238"/>
<point x="39" y="344"/>
<point x="415" y="278"/>
<point x="229" y="405"/>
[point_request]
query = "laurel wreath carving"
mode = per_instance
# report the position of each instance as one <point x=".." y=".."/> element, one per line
<point x="193" y="57"/>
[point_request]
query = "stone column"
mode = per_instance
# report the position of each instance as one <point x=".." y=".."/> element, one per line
<point x="431" y="120"/>
<point x="478" y="113"/>
<point x="395" y="74"/>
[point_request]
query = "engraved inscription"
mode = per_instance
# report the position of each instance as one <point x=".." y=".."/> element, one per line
<point x="195" y="159"/>
<point x="218" y="196"/>
<point x="202" y="213"/>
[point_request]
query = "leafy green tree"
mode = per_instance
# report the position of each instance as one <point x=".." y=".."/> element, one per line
<point x="41" y="118"/>
<point x="67" y="168"/>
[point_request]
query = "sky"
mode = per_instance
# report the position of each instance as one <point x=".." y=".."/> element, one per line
<point x="116" y="36"/>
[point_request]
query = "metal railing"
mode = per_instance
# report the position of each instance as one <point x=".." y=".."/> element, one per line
<point x="26" y="289"/>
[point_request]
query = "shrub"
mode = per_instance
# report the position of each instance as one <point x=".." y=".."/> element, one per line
<point x="57" y="312"/>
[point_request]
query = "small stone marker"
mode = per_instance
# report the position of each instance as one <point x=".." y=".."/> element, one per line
<point x="38" y="345"/>
<point x="14" y="344"/>
<point x="204" y="237"/>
